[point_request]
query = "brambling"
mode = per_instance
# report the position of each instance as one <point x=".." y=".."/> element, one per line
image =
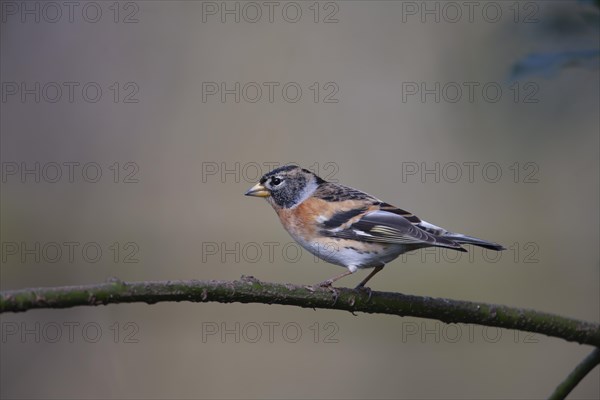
<point x="347" y="227"/>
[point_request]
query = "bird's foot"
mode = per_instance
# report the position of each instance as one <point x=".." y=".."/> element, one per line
<point x="362" y="288"/>
<point x="327" y="284"/>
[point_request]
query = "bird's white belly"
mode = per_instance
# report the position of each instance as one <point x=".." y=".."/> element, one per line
<point x="341" y="252"/>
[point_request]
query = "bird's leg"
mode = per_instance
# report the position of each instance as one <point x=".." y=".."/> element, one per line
<point x="361" y="285"/>
<point x="329" y="282"/>
<point x="372" y="274"/>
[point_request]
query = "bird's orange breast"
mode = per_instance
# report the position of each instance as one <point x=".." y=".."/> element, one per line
<point x="306" y="219"/>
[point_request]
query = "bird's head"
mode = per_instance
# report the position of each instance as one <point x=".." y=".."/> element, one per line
<point x="286" y="187"/>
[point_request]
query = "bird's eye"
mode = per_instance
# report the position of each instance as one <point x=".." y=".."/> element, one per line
<point x="275" y="181"/>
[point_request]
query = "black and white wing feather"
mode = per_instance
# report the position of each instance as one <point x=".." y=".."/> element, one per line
<point x="388" y="227"/>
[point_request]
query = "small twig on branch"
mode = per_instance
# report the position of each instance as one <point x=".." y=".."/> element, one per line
<point x="251" y="290"/>
<point x="588" y="364"/>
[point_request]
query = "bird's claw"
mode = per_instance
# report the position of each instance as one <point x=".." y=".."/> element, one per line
<point x="361" y="288"/>
<point x="327" y="285"/>
<point x="335" y="293"/>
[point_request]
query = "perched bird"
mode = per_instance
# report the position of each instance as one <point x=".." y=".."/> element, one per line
<point x="347" y="227"/>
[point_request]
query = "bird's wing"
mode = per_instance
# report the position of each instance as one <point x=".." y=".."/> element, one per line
<point x="371" y="220"/>
<point x="384" y="226"/>
<point x="333" y="193"/>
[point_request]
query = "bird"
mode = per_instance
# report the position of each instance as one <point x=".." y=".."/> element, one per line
<point x="347" y="227"/>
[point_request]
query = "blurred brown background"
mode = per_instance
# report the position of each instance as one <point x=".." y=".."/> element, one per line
<point x="183" y="164"/>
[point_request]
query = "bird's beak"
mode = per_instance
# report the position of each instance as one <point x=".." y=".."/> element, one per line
<point x="258" y="190"/>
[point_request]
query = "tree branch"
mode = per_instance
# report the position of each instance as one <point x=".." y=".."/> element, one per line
<point x="251" y="290"/>
<point x="588" y="364"/>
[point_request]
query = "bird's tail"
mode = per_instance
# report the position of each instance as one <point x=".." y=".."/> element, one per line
<point x="464" y="239"/>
